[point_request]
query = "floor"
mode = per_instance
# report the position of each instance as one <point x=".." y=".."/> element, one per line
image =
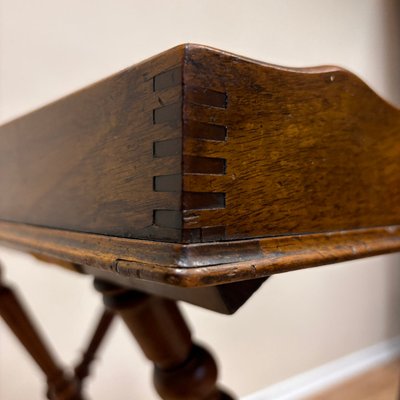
<point x="381" y="383"/>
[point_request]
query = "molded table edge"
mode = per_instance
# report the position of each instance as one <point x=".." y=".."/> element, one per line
<point x="205" y="264"/>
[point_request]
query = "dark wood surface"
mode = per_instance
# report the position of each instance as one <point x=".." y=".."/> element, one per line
<point x="194" y="176"/>
<point x="183" y="370"/>
<point x="86" y="163"/>
<point x="199" y="145"/>
<point x="139" y="262"/>
<point x="198" y="168"/>
<point x="306" y="150"/>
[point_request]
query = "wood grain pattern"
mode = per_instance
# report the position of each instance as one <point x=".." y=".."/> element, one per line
<point x="85" y="163"/>
<point x="199" y="145"/>
<point x="198" y="265"/>
<point x="312" y="150"/>
<point x="195" y="150"/>
<point x="186" y="175"/>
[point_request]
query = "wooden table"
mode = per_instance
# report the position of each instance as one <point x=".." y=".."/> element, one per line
<point x="194" y="176"/>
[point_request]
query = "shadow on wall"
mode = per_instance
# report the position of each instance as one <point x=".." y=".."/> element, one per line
<point x="391" y="25"/>
<point x="391" y="302"/>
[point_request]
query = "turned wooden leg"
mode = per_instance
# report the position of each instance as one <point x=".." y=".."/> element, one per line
<point x="83" y="368"/>
<point x="60" y="387"/>
<point x="182" y="370"/>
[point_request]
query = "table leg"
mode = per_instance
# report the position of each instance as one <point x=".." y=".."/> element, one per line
<point x="60" y="386"/>
<point x="182" y="369"/>
<point x="82" y="369"/>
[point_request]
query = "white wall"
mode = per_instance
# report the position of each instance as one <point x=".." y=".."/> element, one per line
<point x="297" y="321"/>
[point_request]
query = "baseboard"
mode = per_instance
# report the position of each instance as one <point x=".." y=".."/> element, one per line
<point x="315" y="380"/>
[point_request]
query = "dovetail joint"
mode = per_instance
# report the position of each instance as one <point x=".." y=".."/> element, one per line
<point x="192" y="165"/>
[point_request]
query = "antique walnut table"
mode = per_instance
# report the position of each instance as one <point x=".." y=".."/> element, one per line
<point x="194" y="176"/>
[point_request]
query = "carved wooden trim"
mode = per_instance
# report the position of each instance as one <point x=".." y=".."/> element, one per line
<point x="202" y="264"/>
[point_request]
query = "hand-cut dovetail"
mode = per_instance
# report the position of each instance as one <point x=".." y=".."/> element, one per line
<point x="201" y="130"/>
<point x="208" y="97"/>
<point x="167" y="183"/>
<point x="204" y="165"/>
<point x="168" y="113"/>
<point x="203" y="201"/>
<point x="167" y="79"/>
<point x="168" y="218"/>
<point x="167" y="148"/>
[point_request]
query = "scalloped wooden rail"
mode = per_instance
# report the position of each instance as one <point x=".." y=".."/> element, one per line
<point x="194" y="176"/>
<point x="199" y="167"/>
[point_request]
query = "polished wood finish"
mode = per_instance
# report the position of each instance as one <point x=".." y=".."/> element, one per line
<point x="60" y="386"/>
<point x="182" y="370"/>
<point x="231" y="169"/>
<point x="306" y="150"/>
<point x="199" y="145"/>
<point x="139" y="262"/>
<point x="194" y="176"/>
<point x="89" y="157"/>
<point x="222" y="298"/>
